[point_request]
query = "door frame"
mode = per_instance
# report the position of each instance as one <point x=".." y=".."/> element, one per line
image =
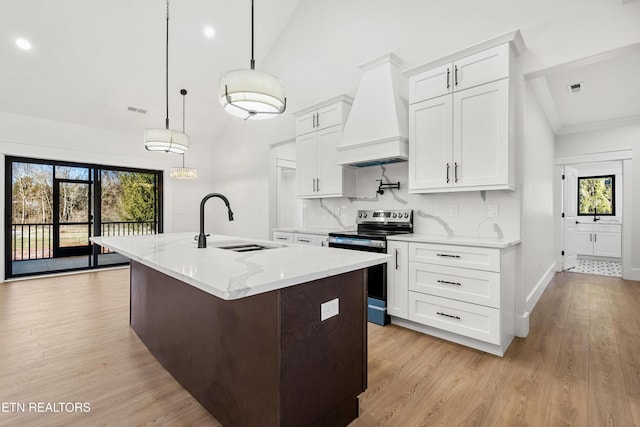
<point x="625" y="156"/>
<point x="64" y="251"/>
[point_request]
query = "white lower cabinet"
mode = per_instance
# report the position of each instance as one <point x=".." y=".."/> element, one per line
<point x="397" y="279"/>
<point x="461" y="293"/>
<point x="603" y="240"/>
<point x="470" y="320"/>
<point x="300" y="238"/>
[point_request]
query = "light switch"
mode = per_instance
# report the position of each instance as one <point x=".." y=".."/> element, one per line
<point x="329" y="309"/>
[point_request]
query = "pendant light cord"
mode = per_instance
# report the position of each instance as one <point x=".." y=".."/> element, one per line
<point x="183" y="92"/>
<point x="166" y="69"/>
<point x="253" y="61"/>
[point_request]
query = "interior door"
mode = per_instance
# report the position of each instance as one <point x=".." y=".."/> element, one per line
<point x="72" y="218"/>
<point x="570" y="220"/>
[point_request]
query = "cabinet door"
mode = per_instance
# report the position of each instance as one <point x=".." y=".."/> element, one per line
<point x="483" y="67"/>
<point x="431" y="84"/>
<point x="306" y="164"/>
<point x="584" y="241"/>
<point x="329" y="172"/>
<point x="430" y="144"/>
<point x="607" y="244"/>
<point x="397" y="279"/>
<point x="330" y="115"/>
<point x="305" y="123"/>
<point x="481" y="135"/>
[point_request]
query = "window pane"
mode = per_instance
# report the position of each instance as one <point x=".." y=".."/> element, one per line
<point x="596" y="195"/>
<point x="70" y="172"/>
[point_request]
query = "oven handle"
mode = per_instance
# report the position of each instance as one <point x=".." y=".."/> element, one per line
<point x="357" y="243"/>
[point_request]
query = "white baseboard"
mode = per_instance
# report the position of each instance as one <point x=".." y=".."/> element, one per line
<point x="634" y="274"/>
<point x="522" y="320"/>
<point x="538" y="289"/>
<point x="522" y="325"/>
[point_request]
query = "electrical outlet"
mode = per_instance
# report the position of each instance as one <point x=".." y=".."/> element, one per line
<point x="492" y="211"/>
<point x="329" y="309"/>
<point x="453" y="210"/>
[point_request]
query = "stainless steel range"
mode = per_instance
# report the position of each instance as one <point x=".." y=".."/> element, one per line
<point x="371" y="235"/>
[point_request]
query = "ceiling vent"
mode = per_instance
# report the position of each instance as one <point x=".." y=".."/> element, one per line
<point x="137" y="110"/>
<point x="576" y="87"/>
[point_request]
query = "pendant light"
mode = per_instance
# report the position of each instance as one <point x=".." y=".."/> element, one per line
<point x="183" y="172"/>
<point x="167" y="140"/>
<point x="252" y="94"/>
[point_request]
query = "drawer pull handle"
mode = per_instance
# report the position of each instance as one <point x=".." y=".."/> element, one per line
<point x="449" y="315"/>
<point x="304" y="240"/>
<point x="448" y="74"/>
<point x="282" y="238"/>
<point x="450" y="283"/>
<point x="448" y="256"/>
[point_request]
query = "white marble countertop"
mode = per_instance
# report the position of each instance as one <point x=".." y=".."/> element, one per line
<point x="231" y="275"/>
<point x="486" y="242"/>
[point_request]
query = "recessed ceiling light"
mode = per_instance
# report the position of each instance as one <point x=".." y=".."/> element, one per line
<point x="209" y="32"/>
<point x="23" y="44"/>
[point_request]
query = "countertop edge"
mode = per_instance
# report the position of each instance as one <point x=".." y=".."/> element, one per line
<point x="457" y="241"/>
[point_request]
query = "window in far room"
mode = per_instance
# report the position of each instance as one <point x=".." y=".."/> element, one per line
<point x="596" y="195"/>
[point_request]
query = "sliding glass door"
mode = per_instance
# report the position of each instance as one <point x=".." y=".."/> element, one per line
<point x="54" y="208"/>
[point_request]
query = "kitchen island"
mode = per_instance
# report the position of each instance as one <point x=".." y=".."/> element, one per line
<point x="273" y="337"/>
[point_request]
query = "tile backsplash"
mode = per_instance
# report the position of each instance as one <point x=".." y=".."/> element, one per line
<point x="470" y="214"/>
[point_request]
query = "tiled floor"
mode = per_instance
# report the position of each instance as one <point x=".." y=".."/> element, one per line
<point x="601" y="268"/>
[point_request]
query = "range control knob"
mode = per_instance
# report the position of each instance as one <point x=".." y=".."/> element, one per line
<point x="406" y="214"/>
<point x="359" y="214"/>
<point x="395" y="215"/>
<point x="365" y="215"/>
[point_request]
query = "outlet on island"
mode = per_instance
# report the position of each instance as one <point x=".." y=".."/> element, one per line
<point x="329" y="309"/>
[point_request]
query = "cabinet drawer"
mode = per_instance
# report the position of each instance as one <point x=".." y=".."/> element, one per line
<point x="609" y="228"/>
<point x="474" y="321"/>
<point x="456" y="256"/>
<point x="282" y="236"/>
<point x="483" y="67"/>
<point x="305" y="239"/>
<point x="472" y="286"/>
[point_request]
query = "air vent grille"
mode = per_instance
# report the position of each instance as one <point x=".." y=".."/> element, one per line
<point x="576" y="87"/>
<point x="137" y="110"/>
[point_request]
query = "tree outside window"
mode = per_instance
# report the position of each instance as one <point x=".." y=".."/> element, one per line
<point x="596" y="195"/>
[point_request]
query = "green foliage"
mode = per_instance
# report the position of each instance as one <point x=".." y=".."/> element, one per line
<point x="596" y="193"/>
<point x="138" y="196"/>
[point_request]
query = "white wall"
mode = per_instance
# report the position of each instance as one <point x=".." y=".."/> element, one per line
<point x="44" y="139"/>
<point x="537" y="227"/>
<point x="613" y="139"/>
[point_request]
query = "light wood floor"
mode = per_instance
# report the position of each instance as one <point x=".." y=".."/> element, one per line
<point x="67" y="339"/>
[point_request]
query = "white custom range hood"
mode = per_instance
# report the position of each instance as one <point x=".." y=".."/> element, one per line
<point x="376" y="130"/>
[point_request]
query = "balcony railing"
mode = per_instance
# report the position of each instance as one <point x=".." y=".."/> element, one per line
<point x="35" y="241"/>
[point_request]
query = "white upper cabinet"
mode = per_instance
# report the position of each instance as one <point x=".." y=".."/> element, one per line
<point x="460" y="127"/>
<point x="322" y="117"/>
<point x="473" y="70"/>
<point x="319" y="132"/>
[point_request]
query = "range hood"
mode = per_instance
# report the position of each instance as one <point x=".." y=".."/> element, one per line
<point x="376" y="130"/>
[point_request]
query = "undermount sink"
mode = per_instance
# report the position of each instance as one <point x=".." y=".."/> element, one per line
<point x="243" y="246"/>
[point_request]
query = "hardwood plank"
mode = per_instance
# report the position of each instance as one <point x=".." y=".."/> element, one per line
<point x="68" y="339"/>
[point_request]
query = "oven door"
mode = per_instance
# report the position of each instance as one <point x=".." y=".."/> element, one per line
<point x="376" y="284"/>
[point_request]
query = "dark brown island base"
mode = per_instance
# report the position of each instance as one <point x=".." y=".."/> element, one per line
<point x="263" y="360"/>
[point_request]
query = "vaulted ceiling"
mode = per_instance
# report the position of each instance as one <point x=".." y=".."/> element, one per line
<point x="92" y="60"/>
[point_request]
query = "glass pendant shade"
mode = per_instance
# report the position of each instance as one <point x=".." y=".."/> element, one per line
<point x="167" y="140"/>
<point x="252" y="94"/>
<point x="183" y="173"/>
